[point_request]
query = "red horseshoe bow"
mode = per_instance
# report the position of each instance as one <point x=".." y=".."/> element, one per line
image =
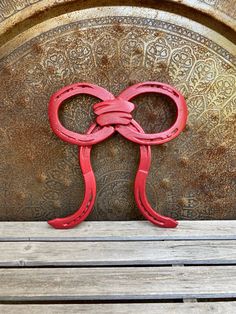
<point x="114" y="114"/>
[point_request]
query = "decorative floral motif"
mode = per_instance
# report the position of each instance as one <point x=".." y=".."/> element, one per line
<point x="182" y="60"/>
<point x="203" y="74"/>
<point x="106" y="48"/>
<point x="196" y="105"/>
<point x="222" y="89"/>
<point x="80" y="56"/>
<point x="56" y="64"/>
<point x="36" y="77"/>
<point x="157" y="53"/>
<point x="47" y="170"/>
<point x="132" y="49"/>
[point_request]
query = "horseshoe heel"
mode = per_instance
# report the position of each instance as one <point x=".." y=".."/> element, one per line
<point x="89" y="194"/>
<point x="114" y="114"/>
<point x="140" y="187"/>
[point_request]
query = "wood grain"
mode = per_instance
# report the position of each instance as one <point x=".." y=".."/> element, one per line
<point x="117" y="253"/>
<point x="113" y="283"/>
<point x="134" y="308"/>
<point x="118" y="231"/>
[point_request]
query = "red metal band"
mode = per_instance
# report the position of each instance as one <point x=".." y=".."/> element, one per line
<point x="114" y="114"/>
<point x="69" y="136"/>
<point x="89" y="187"/>
<point x="155" y="138"/>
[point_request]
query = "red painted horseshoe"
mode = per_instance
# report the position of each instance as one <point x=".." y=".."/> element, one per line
<point x="156" y="138"/>
<point x="89" y="187"/>
<point x="140" y="187"/>
<point x="69" y="136"/>
<point x="114" y="114"/>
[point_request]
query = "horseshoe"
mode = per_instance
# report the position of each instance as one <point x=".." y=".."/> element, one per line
<point x="114" y="115"/>
<point x="90" y="190"/>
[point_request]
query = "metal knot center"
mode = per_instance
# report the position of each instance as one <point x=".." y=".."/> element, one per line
<point x="114" y="111"/>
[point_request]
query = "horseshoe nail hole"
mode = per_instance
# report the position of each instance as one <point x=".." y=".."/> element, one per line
<point x="154" y="112"/>
<point x="156" y="86"/>
<point x="84" y="86"/>
<point x="65" y="92"/>
<point x="171" y="91"/>
<point x="76" y="113"/>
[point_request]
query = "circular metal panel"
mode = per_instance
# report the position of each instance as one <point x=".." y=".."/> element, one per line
<point x="192" y="177"/>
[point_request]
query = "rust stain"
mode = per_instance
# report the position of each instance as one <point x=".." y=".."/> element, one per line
<point x="44" y="163"/>
<point x="51" y="69"/>
<point x="22" y="102"/>
<point x="36" y="48"/>
<point x="105" y="61"/>
<point x="138" y="51"/>
<point x="117" y="27"/>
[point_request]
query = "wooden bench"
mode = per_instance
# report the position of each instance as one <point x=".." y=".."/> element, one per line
<point x="118" y="267"/>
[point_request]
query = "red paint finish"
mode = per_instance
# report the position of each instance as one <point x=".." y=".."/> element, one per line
<point x="114" y="115"/>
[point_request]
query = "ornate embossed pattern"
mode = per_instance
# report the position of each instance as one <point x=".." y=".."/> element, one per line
<point x="192" y="177"/>
<point x="11" y="7"/>
<point x="226" y="6"/>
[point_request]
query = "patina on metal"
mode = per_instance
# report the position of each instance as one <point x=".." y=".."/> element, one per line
<point x="192" y="177"/>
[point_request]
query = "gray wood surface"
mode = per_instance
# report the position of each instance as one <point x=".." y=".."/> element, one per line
<point x="118" y="231"/>
<point x="134" y="308"/>
<point x="117" y="253"/>
<point x="117" y="283"/>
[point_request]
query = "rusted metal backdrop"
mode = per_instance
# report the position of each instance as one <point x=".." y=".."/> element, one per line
<point x="48" y="44"/>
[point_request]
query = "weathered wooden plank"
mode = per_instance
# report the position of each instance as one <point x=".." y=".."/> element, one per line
<point x="122" y="283"/>
<point x="117" y="253"/>
<point x="134" y="308"/>
<point x="118" y="231"/>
